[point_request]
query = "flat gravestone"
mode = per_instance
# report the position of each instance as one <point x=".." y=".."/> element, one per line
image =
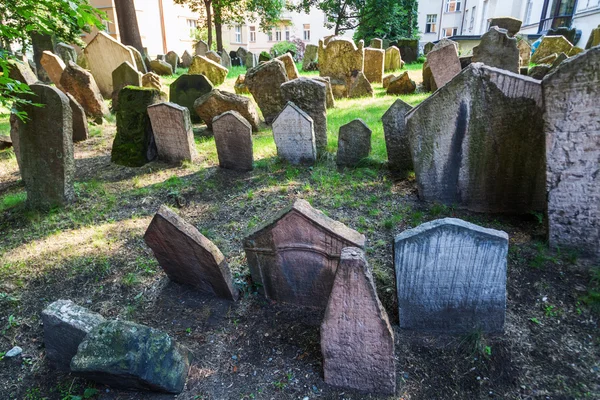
<point x="498" y="50"/>
<point x="172" y="132"/>
<point x="393" y="59"/>
<point x="451" y="277"/>
<point x="45" y="143"/>
<point x="80" y="125"/>
<point x="188" y="257"/>
<point x="201" y="48"/>
<point x="264" y="82"/>
<point x="374" y="64"/>
<point x="215" y="73"/>
<point x="572" y="132"/>
<point x="216" y="102"/>
<point x="357" y="341"/>
<point x="293" y="257"/>
<point x="294" y="136"/>
<point x="444" y="62"/>
<point x="186" y="89"/>
<point x="233" y="138"/>
<point x="396" y="137"/>
<point x="54" y="67"/>
<point x="354" y="143"/>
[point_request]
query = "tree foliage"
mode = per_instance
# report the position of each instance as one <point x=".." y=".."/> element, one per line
<point x="398" y="20"/>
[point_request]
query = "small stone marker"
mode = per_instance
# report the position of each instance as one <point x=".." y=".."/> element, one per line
<point x="444" y="62"/>
<point x="172" y="132"/>
<point x="54" y="67"/>
<point x="393" y="59"/>
<point x="233" y="138"/>
<point x="510" y="24"/>
<point x="81" y="84"/>
<point x="498" y="50"/>
<point x="66" y="53"/>
<point x="376" y="44"/>
<point x="213" y="71"/>
<point x="161" y="67"/>
<point x="201" y="48"/>
<point x="295" y="255"/>
<point x="309" y="62"/>
<point x="140" y="65"/>
<point x="186" y="89"/>
<point x="173" y="59"/>
<point x="264" y="82"/>
<point x="396" y="137"/>
<point x="216" y="102"/>
<point x="186" y="59"/>
<point x="374" y="64"/>
<point x="80" y="126"/>
<point x="152" y="81"/>
<point x="187" y="256"/>
<point x="401" y="85"/>
<point x="294" y="136"/>
<point x="551" y="45"/>
<point x="354" y="143"/>
<point x="65" y="326"/>
<point x="451" y="277"/>
<point x="357" y="341"/>
<point x="290" y="65"/>
<point x="359" y="86"/>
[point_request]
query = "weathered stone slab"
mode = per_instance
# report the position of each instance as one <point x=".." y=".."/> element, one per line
<point x="393" y="60"/>
<point x="125" y="355"/>
<point x="80" y="125"/>
<point x="572" y="129"/>
<point x="428" y="81"/>
<point x="524" y="52"/>
<point x="186" y="59"/>
<point x="240" y="85"/>
<point x="173" y="134"/>
<point x="594" y="39"/>
<point x="539" y="71"/>
<point x="409" y="49"/>
<point x="66" y="53"/>
<point x="21" y="72"/>
<point x="216" y="102"/>
<point x="161" y="67"/>
<point x="387" y="79"/>
<point x="233" y="138"/>
<point x="290" y="65"/>
<point x="241" y="54"/>
<point x="551" y="45"/>
<point x="357" y="341"/>
<point x="443" y="62"/>
<point x="251" y="60"/>
<point x="264" y="82"/>
<point x="330" y="100"/>
<point x="201" y="48"/>
<point x="295" y="136"/>
<point x="354" y="143"/>
<point x="568" y="33"/>
<point x="213" y="56"/>
<point x="41" y="42"/>
<point x="359" y="86"/>
<point x="139" y="60"/>
<point x="376" y="44"/>
<point x="124" y="75"/>
<point x="186" y="89"/>
<point x="187" y="256"/>
<point x="498" y="50"/>
<point x="173" y="59"/>
<point x="152" y="81"/>
<point x="396" y="137"/>
<point x="401" y="85"/>
<point x="65" y="326"/>
<point x="510" y="24"/>
<point x="225" y="59"/>
<point x="451" y="277"/>
<point x="478" y="142"/>
<point x="213" y="71"/>
<point x="54" y="67"/>
<point x="374" y="63"/>
<point x="309" y="62"/>
<point x="428" y="47"/>
<point x="295" y="255"/>
<point x="340" y="59"/>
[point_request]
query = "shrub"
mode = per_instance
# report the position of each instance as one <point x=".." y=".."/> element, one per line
<point x="281" y="48"/>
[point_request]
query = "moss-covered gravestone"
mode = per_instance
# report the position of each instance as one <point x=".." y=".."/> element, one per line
<point x="186" y="89"/>
<point x="134" y="142"/>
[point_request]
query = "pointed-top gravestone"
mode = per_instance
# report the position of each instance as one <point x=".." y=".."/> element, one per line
<point x="186" y="59"/>
<point x="186" y="89"/>
<point x="294" y="136"/>
<point x="357" y="341"/>
<point x="354" y="143"/>
<point x="201" y="48"/>
<point x="172" y="132"/>
<point x="294" y="256"/>
<point x="396" y="137"/>
<point x="188" y="257"/>
<point x="124" y="75"/>
<point x="451" y="277"/>
<point x="444" y="62"/>
<point x="233" y="138"/>
<point x="213" y="56"/>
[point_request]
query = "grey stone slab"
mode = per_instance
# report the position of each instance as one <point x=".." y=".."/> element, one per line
<point x="354" y="143"/>
<point x="233" y="138"/>
<point x="173" y="134"/>
<point x="294" y="136"/>
<point x="396" y="137"/>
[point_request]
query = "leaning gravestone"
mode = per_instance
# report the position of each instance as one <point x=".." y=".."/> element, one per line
<point x="233" y="138"/>
<point x="401" y="85"/>
<point x="173" y="59"/>
<point x="264" y="82"/>
<point x="134" y="143"/>
<point x="396" y="138"/>
<point x="497" y="49"/>
<point x="216" y="102"/>
<point x="139" y="60"/>
<point x="161" y="67"/>
<point x="294" y="136"/>
<point x="309" y="62"/>
<point x="186" y="59"/>
<point x="357" y="341"/>
<point x="45" y="142"/>
<point x="20" y="71"/>
<point x="225" y="59"/>
<point x="66" y="53"/>
<point x="201" y="48"/>
<point x="451" y="277"/>
<point x="294" y="257"/>
<point x="354" y="143"/>
<point x="311" y="97"/>
<point x="213" y="56"/>
<point x="571" y="94"/>
<point x="393" y="60"/>
<point x="80" y="125"/>
<point x="387" y="79"/>
<point x="186" y="89"/>
<point x="444" y="62"/>
<point x="172" y="132"/>
<point x="374" y="64"/>
<point x="216" y="73"/>
<point x="359" y="86"/>
<point x="41" y="42"/>
<point x="54" y="67"/>
<point x="551" y="45"/>
<point x="340" y="59"/>
<point x="510" y="24"/>
<point x="290" y="65"/>
<point x="187" y="256"/>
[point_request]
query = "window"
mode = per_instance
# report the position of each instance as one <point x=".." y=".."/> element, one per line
<point x="278" y="34"/>
<point x="192" y="25"/>
<point x="472" y="22"/>
<point x="453" y="5"/>
<point x="287" y="33"/>
<point x="253" y="34"/>
<point x="528" y="7"/>
<point x="431" y="25"/>
<point x="238" y="34"/>
<point x="450" y="32"/>
<point x="270" y="34"/>
<point x="306" y="31"/>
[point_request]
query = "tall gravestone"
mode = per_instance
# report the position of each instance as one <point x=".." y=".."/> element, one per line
<point x="451" y="277"/>
<point x="225" y="59"/>
<point x="444" y="62"/>
<point x="290" y="65"/>
<point x="572" y="129"/>
<point x="124" y="75"/>
<point x="251" y="60"/>
<point x="340" y="59"/>
<point x="524" y="52"/>
<point x="241" y="54"/>
<point x="264" y="82"/>
<point x="354" y="143"/>
<point x="396" y="137"/>
<point x="294" y="136"/>
<point x="186" y="59"/>
<point x="497" y="49"/>
<point x="54" y="67"/>
<point x="41" y="42"/>
<point x="186" y="89"/>
<point x="173" y="59"/>
<point x="309" y="62"/>
<point x="172" y="132"/>
<point x="374" y="64"/>
<point x="233" y="138"/>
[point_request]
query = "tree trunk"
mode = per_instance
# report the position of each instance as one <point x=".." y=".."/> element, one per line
<point x="218" y="28"/>
<point x="207" y="4"/>
<point x="128" y="25"/>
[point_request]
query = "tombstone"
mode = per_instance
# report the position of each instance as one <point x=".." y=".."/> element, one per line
<point x="251" y="60"/>
<point x="309" y="61"/>
<point x="187" y="256"/>
<point x="357" y="340"/>
<point x="225" y="59"/>
<point x="139" y="60"/>
<point x="428" y="81"/>
<point x="65" y="326"/>
<point x="124" y="75"/>
<point x="551" y="45"/>
<point x="396" y="138"/>
<point x="359" y="86"/>
<point x="386" y="80"/>
<point x="186" y="59"/>
<point x="213" y="56"/>
<point x="294" y="136"/>
<point x="571" y="95"/>
<point x="104" y="54"/>
<point x="134" y="144"/>
<point x="54" y="67"/>
<point x="264" y="83"/>
<point x="549" y="59"/>
<point x="201" y="48"/>
<point x="479" y="143"/>
<point x="340" y="59"/>
<point x="82" y="85"/>
<point x="524" y="52"/>
<point x="330" y="100"/>
<point x="559" y="59"/>
<point x="65" y="52"/>
<point x="241" y="54"/>
<point x="401" y="85"/>
<point x="20" y="71"/>
<point x="427" y="48"/>
<point x="376" y="44"/>
<point x="216" y="102"/>
<point x="45" y="144"/>
<point x="213" y="71"/>
<point x="539" y="71"/>
<point x="574" y="51"/>
<point x="594" y="39"/>
<point x="311" y="97"/>
<point x="240" y="85"/>
<point x="233" y="138"/>
<point x="568" y="33"/>
<point x="173" y="134"/>
<point x="80" y="125"/>
<point x="290" y="65"/>
<point x="152" y="81"/>
<point x="374" y="63"/>
<point x="161" y="67"/>
<point x="354" y="143"/>
<point x="443" y="61"/>
<point x="393" y="61"/>
<point x="498" y="50"/>
<point x="409" y="49"/>
<point x="41" y="42"/>
<point x="510" y="24"/>
<point x="294" y="256"/>
<point x="186" y="89"/>
<point x="161" y="57"/>
<point x="235" y="60"/>
<point x="173" y="59"/>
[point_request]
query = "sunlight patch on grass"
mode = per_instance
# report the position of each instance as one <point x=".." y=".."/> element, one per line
<point x="11" y="200"/>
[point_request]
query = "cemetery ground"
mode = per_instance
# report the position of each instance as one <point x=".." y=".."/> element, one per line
<point x="93" y="253"/>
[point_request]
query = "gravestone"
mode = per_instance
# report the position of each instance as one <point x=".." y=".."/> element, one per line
<point x="104" y="54"/>
<point x="443" y="62"/>
<point x="161" y="67"/>
<point x="235" y="60"/>
<point x="479" y="143"/>
<point x="134" y="143"/>
<point x="187" y="256"/>
<point x="428" y="81"/>
<point x="524" y="52"/>
<point x="401" y="85"/>
<point x="294" y="256"/>
<point x="594" y="39"/>
<point x="233" y="138"/>
<point x="152" y="81"/>
<point x="251" y="60"/>
<point x="374" y="63"/>
<point x="551" y="45"/>
<point x="309" y="62"/>
<point x="225" y="59"/>
<point x="549" y="59"/>
<point x="376" y="44"/>
<point x="354" y="143"/>
<point x="359" y="86"/>
<point x="80" y="126"/>
<point x="357" y="340"/>
<point x="21" y="72"/>
<point x="386" y="80"/>
<point x="66" y="53"/>
<point x="186" y="89"/>
<point x="240" y="85"/>
<point x="172" y="132"/>
<point x="294" y="136"/>
<point x="290" y="65"/>
<point x="124" y="75"/>
<point x="173" y="59"/>
<point x="264" y="82"/>
<point x="451" y="277"/>
<point x="41" y="42"/>
<point x="571" y="94"/>
<point x="539" y="71"/>
<point x="568" y="33"/>
<point x="497" y="49"/>
<point x="510" y="24"/>
<point x="311" y="97"/>
<point x="54" y="67"/>
<point x="213" y="71"/>
<point x="45" y="145"/>
<point x="428" y="47"/>
<point x="213" y="56"/>
<point x="393" y="60"/>
<point x="216" y="102"/>
<point x="396" y="138"/>
<point x="201" y="48"/>
<point x="140" y="65"/>
<point x="341" y="60"/>
<point x="574" y="51"/>
<point x="559" y="59"/>
<point x="241" y="54"/>
<point x="329" y="99"/>
<point x="186" y="59"/>
<point x="409" y="49"/>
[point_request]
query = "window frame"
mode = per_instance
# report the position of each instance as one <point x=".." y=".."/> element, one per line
<point x="431" y="26"/>
<point x="456" y="3"/>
